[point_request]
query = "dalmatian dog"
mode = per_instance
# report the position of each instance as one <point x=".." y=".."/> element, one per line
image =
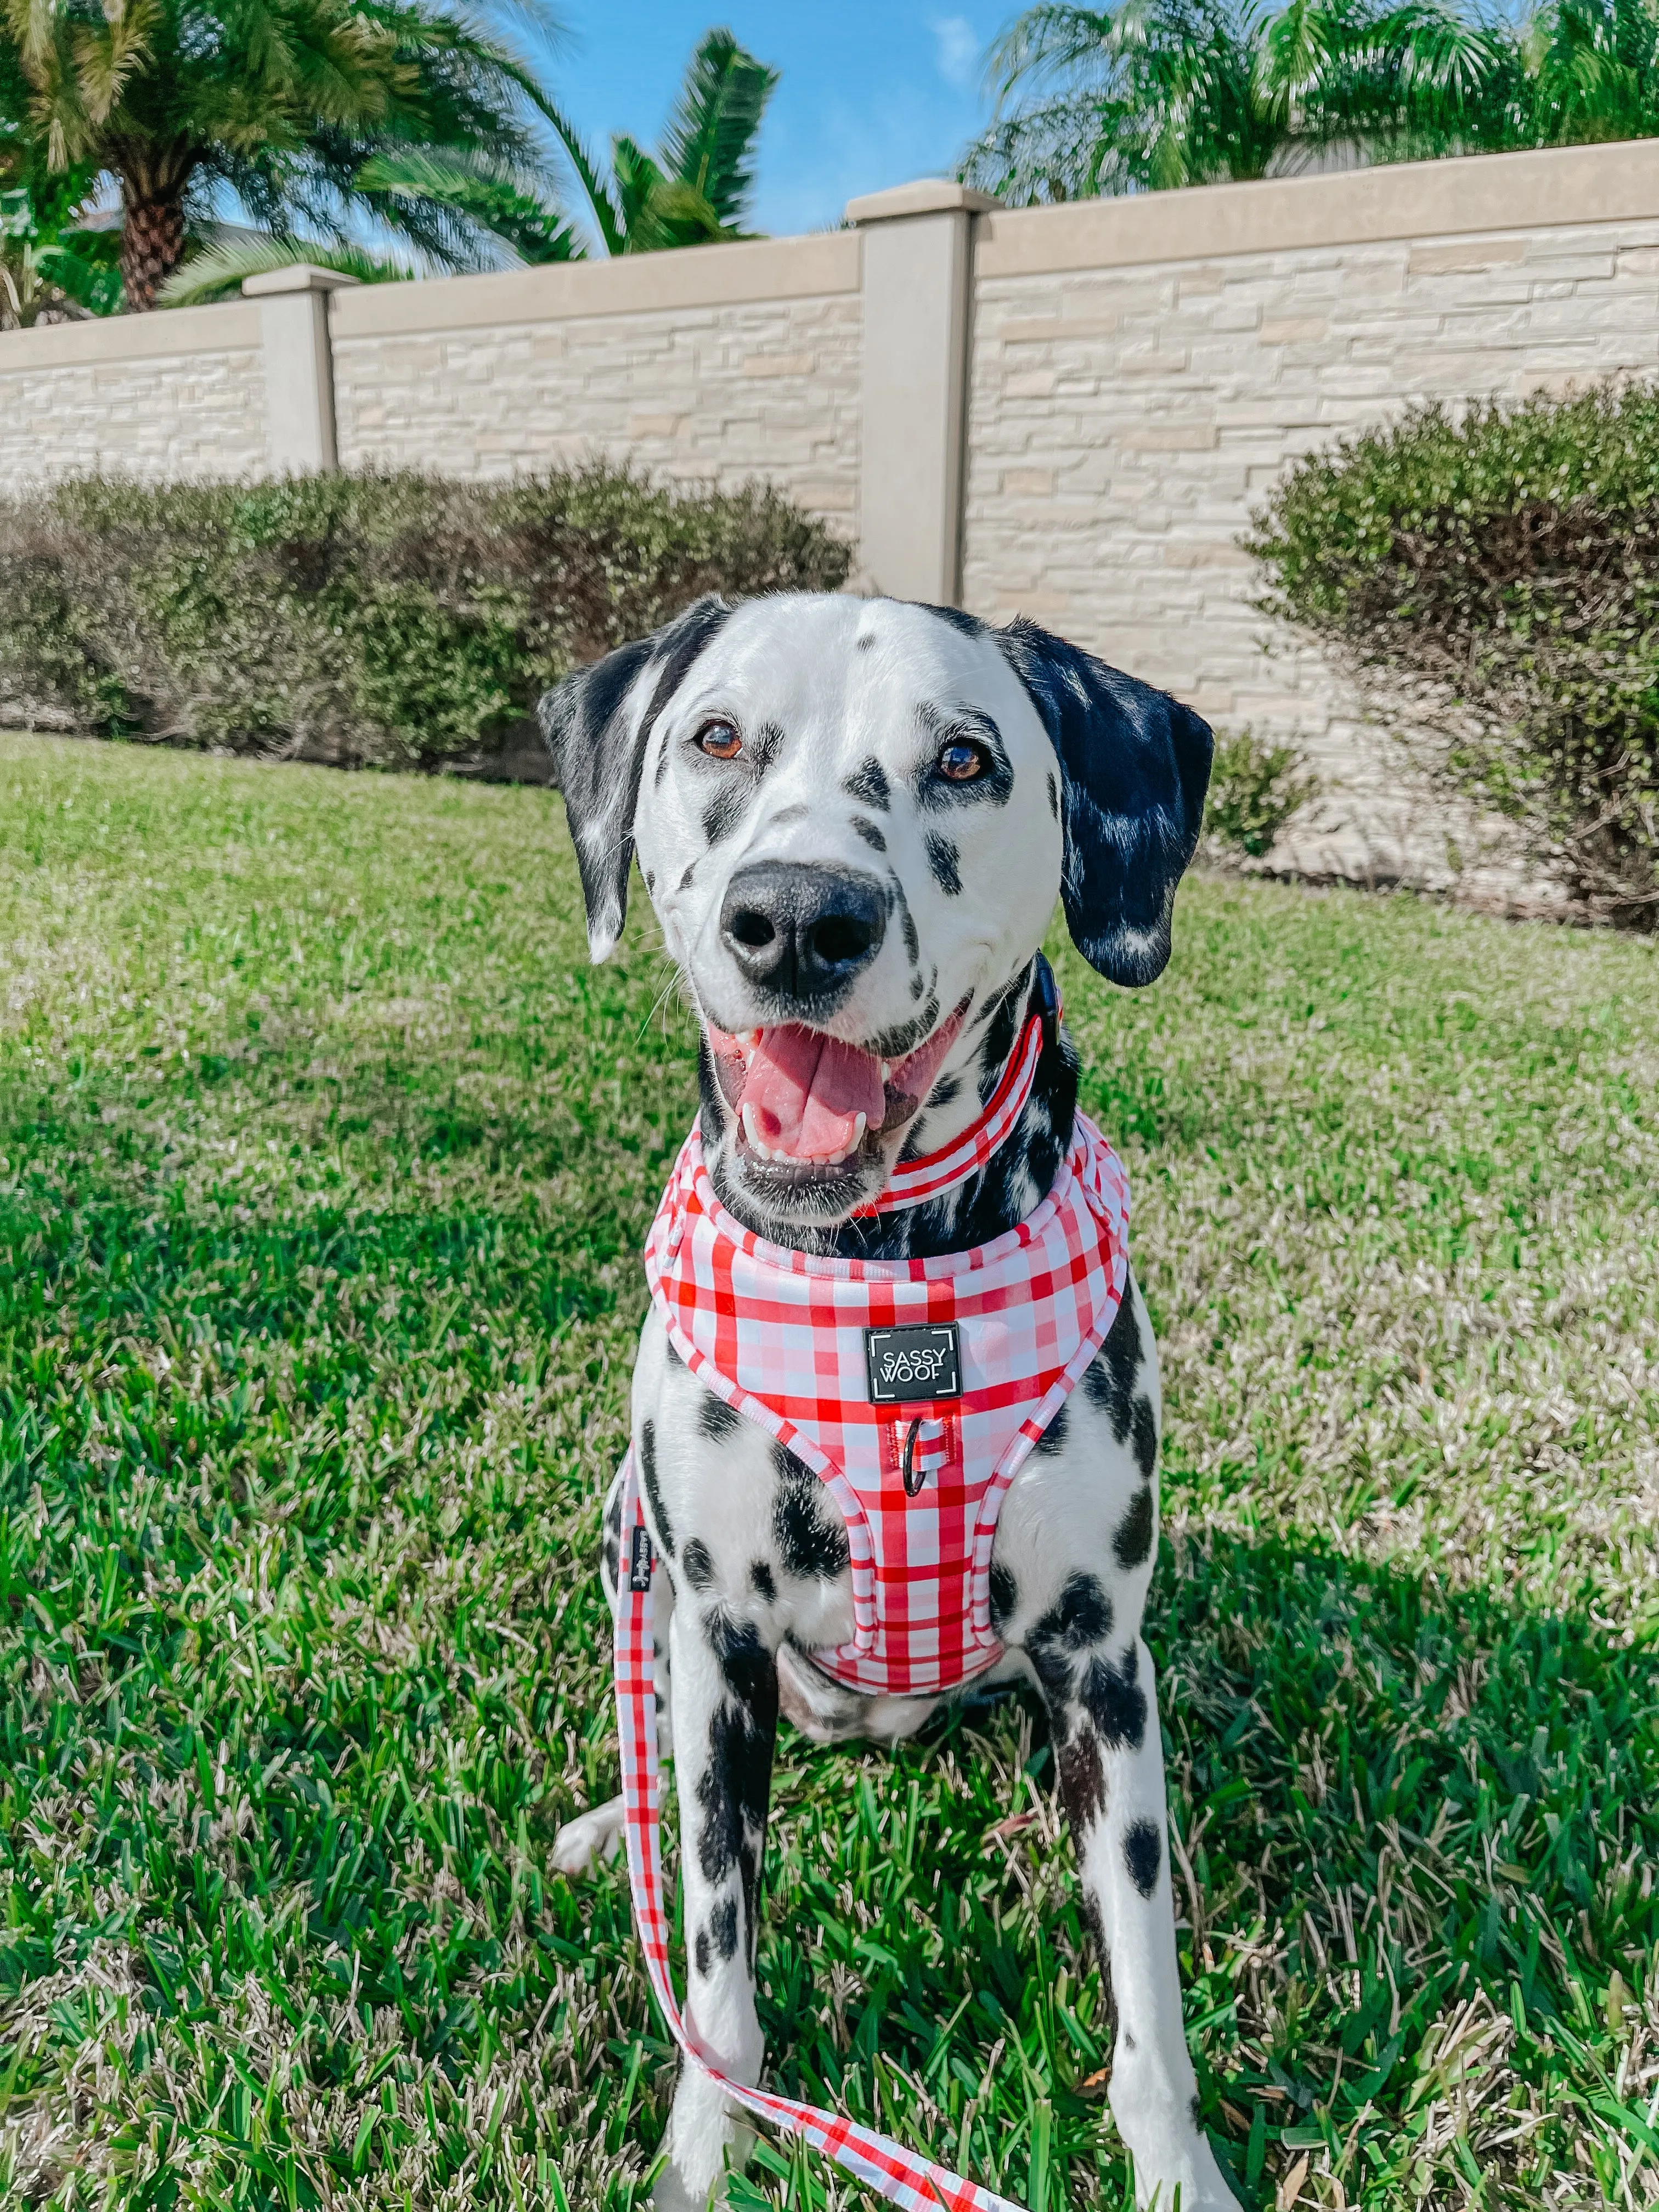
<point x="852" y="818"/>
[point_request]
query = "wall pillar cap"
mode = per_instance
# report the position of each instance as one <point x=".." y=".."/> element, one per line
<point x="926" y="196"/>
<point x="299" y="276"/>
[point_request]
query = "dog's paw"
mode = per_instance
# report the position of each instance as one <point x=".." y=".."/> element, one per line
<point x="590" y="1836"/>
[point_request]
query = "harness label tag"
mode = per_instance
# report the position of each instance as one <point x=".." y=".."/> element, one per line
<point x="640" y="1561"/>
<point x="921" y="1362"/>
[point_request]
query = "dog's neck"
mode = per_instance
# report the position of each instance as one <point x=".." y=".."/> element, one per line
<point x="1013" y="1183"/>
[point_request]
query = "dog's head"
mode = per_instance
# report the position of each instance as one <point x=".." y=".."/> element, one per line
<point x="854" y="818"/>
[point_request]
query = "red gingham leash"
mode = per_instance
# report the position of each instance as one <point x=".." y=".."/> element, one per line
<point x="914" y="1181"/>
<point x="902" y="2177"/>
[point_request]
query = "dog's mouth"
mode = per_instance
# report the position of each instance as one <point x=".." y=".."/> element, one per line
<point x="808" y="1105"/>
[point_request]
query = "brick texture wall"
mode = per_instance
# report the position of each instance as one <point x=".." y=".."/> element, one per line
<point x="1123" y="422"/>
<point x="187" y="414"/>
<point x="758" y="388"/>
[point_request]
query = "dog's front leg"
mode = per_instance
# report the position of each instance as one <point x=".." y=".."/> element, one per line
<point x="725" y="1713"/>
<point x="1104" y="1715"/>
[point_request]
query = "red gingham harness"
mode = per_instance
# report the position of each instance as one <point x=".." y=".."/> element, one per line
<point x="780" y="1337"/>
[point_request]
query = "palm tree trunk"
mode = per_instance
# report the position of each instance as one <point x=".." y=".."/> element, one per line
<point x="152" y="245"/>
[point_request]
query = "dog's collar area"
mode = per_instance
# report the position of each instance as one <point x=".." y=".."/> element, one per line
<point x="912" y="1182"/>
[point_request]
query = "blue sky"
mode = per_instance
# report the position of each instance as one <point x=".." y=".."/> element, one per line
<point x="872" y="91"/>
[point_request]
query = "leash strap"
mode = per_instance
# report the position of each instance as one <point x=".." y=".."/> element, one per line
<point x="912" y="1182"/>
<point x="902" y="2177"/>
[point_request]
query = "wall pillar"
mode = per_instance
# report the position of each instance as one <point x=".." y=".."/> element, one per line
<point x="299" y="363"/>
<point x="917" y="249"/>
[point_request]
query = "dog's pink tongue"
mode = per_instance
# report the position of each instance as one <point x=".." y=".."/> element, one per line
<point x="808" y="1090"/>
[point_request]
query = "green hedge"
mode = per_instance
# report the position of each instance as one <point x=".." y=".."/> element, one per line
<point x="1493" y="579"/>
<point x="396" y="619"/>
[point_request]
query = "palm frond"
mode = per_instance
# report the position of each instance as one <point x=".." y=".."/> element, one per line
<point x="709" y="142"/>
<point x="488" y="193"/>
<point x="218" y="272"/>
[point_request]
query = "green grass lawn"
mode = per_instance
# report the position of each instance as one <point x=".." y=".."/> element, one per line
<point x="325" y="1162"/>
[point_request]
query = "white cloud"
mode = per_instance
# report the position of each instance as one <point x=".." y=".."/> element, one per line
<point x="958" y="49"/>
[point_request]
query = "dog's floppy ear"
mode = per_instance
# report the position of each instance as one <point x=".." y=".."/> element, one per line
<point x="596" y="724"/>
<point x="1135" y="765"/>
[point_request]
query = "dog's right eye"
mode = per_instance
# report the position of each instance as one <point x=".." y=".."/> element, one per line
<point x="720" y="740"/>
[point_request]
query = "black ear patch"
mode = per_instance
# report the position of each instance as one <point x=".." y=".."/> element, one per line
<point x="1134" y="767"/>
<point x="596" y="724"/>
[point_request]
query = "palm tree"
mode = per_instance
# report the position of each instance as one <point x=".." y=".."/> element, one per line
<point x="51" y="268"/>
<point x="284" y="101"/>
<point x="696" y="189"/>
<point x="1157" y="93"/>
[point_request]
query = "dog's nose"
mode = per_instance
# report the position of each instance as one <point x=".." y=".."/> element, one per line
<point x="802" y="932"/>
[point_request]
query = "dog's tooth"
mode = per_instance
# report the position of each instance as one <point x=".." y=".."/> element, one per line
<point x="858" y="1128"/>
<point x="886" y="1075"/>
<point x="747" y="1116"/>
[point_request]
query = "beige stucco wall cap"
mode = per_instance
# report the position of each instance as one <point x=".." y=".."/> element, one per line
<point x="302" y="276"/>
<point x="927" y="195"/>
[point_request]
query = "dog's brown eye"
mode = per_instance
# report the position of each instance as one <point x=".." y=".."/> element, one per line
<point x="960" y="761"/>
<point x="720" y="740"/>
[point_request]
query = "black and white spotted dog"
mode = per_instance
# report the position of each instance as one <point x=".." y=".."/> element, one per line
<point x="855" y="817"/>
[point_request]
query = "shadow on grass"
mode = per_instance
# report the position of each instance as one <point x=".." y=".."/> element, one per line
<point x="1414" y="1889"/>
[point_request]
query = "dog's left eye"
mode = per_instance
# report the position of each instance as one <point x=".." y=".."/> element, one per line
<point x="720" y="740"/>
<point x="961" y="761"/>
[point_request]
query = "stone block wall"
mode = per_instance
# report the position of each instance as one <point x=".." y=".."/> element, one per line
<point x="1125" y="420"/>
<point x="761" y="382"/>
<point x="1069" y="412"/>
<point x="179" y="395"/>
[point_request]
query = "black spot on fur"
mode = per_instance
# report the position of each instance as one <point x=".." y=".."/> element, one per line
<point x="649" y="1473"/>
<point x="1145" y="1438"/>
<point x="690" y="870"/>
<point x="1082" y="1775"/>
<point x="696" y="1565"/>
<point x="765" y="746"/>
<point x="1080" y="1616"/>
<point x="1052" y="1438"/>
<point x="716" y="1418"/>
<point x="1114" y="1701"/>
<point x="864" y="642"/>
<point x="1054" y="796"/>
<point x="1109" y="1378"/>
<point x="943" y="859"/>
<point x="723" y="1927"/>
<point x="1143" y="1853"/>
<point x="1133" y="1543"/>
<point x="969" y="625"/>
<point x="1005" y="1596"/>
<point x="945" y="1091"/>
<point x="911" y="941"/>
<point x="869" y="782"/>
<point x="764" y="1580"/>
<point x="704" y="1959"/>
<point x="725" y="810"/>
<point x="811" y="1536"/>
<point x="733" y="1787"/>
<point x="650" y="880"/>
<point x="671" y="1351"/>
<point x="612" y="1555"/>
<point x="871" y="836"/>
<point x="662" y="768"/>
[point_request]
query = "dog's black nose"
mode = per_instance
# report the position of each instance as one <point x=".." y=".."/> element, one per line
<point x="802" y="932"/>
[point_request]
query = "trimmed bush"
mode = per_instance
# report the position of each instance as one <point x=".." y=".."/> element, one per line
<point x="1493" y="583"/>
<point x="1256" y="791"/>
<point x="385" y="620"/>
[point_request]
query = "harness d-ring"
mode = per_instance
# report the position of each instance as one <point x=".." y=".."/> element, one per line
<point x="914" y="1475"/>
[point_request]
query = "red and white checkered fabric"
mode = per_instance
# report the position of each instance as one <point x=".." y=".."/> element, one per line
<point x="913" y="1180"/>
<point x="903" y="2177"/>
<point x="780" y="1335"/>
